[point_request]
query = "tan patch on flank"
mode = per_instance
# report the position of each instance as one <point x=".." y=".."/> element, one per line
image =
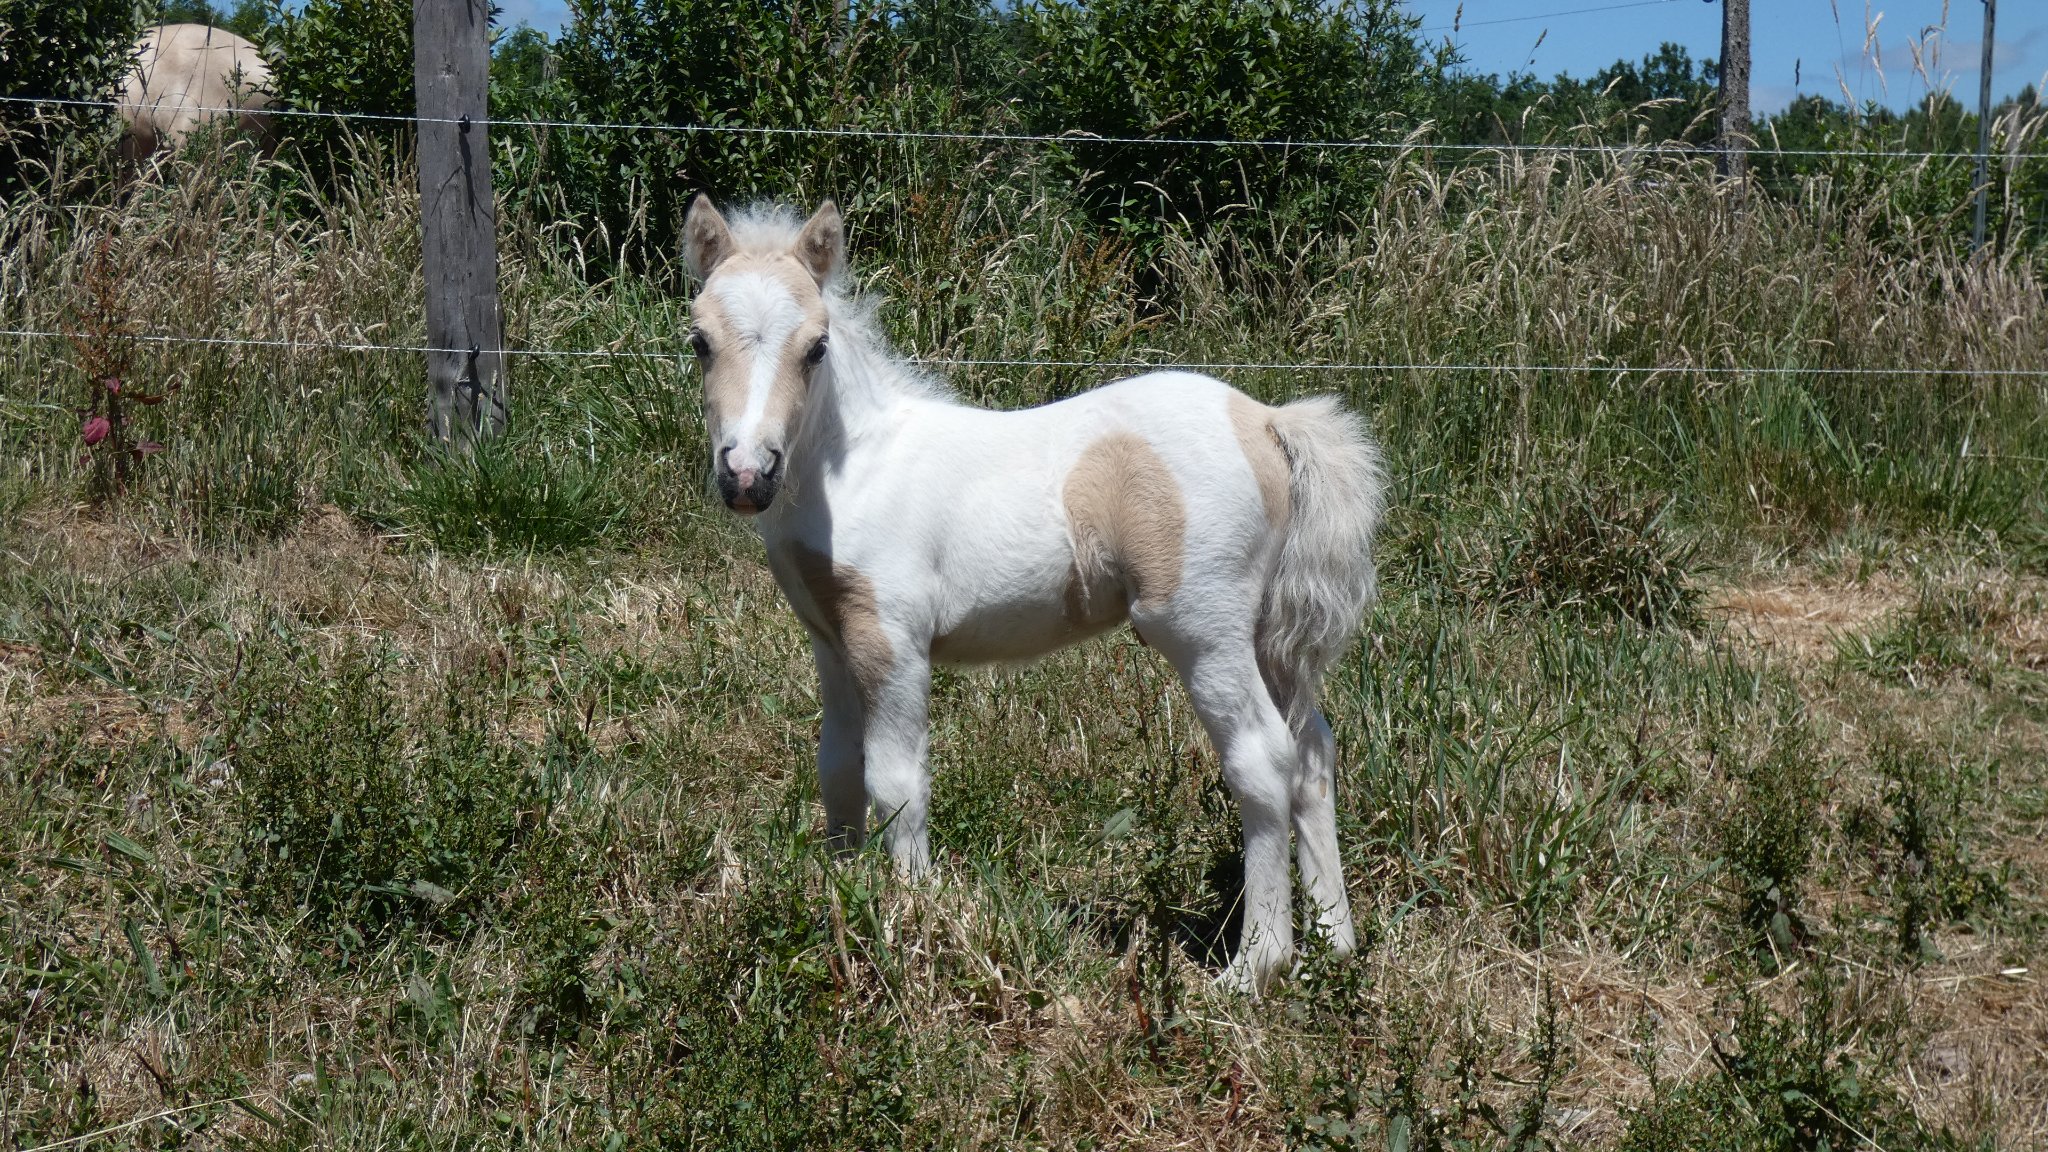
<point x="846" y="614"/>
<point x="1128" y="522"/>
<point x="1253" y="423"/>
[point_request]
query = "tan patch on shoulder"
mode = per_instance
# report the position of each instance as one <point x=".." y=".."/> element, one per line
<point x="1128" y="521"/>
<point x="1253" y="423"/>
<point x="844" y="600"/>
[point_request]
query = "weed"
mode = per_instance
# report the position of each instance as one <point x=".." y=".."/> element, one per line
<point x="1929" y="873"/>
<point x="1434" y="1095"/>
<point x="102" y="329"/>
<point x="1767" y="838"/>
<point x="773" y="1009"/>
<point x="1799" y="1081"/>
<point x="364" y="813"/>
<point x="1942" y="634"/>
<point x="1589" y="549"/>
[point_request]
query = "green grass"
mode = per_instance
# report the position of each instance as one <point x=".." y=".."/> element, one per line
<point x="356" y="796"/>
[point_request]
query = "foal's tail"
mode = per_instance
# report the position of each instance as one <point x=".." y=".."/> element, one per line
<point x="1325" y="579"/>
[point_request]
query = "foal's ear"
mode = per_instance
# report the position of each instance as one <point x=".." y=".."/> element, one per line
<point x="707" y="240"/>
<point x="821" y="246"/>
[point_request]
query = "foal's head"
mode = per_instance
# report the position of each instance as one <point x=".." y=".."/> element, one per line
<point x="759" y="328"/>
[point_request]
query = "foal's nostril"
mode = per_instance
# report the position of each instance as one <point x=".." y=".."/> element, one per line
<point x="774" y="467"/>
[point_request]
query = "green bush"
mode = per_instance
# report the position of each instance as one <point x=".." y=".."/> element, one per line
<point x="509" y="495"/>
<point x="239" y="479"/>
<point x="695" y="62"/>
<point x="1210" y="69"/>
<point x="342" y="56"/>
<point x="66" y="50"/>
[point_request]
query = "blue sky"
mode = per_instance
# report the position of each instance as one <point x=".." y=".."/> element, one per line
<point x="1820" y="44"/>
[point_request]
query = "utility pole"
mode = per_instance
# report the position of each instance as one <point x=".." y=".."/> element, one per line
<point x="1984" y="126"/>
<point x="1735" y="89"/>
<point x="451" y="69"/>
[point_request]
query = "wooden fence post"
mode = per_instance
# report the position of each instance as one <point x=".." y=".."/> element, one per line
<point x="1735" y="125"/>
<point x="458" y="221"/>
<point x="1984" y="126"/>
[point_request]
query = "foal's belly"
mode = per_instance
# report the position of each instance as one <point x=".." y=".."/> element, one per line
<point x="1015" y="631"/>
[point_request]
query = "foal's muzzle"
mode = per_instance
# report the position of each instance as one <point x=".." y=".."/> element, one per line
<point x="748" y="490"/>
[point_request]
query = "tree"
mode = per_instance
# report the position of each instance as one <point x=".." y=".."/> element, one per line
<point x="342" y="56"/>
<point x="1218" y="69"/>
<point x="66" y="50"/>
<point x="1667" y="96"/>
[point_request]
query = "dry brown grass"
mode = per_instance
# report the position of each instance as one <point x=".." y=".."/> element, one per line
<point x="1977" y="1025"/>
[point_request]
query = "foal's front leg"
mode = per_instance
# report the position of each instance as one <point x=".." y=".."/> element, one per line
<point x="896" y="740"/>
<point x="842" y="776"/>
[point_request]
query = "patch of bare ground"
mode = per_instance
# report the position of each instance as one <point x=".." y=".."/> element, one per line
<point x="1795" y="617"/>
<point x="1982" y="1062"/>
<point x="1976" y="1010"/>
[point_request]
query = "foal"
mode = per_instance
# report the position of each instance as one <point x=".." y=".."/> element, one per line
<point x="908" y="529"/>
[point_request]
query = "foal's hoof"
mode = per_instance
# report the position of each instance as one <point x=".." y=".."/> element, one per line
<point x="1247" y="976"/>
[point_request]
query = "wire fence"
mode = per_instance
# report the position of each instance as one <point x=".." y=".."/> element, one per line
<point x="161" y="338"/>
<point x="1410" y="146"/>
<point x="1654" y="148"/>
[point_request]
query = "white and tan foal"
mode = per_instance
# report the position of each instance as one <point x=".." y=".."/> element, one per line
<point x="908" y="529"/>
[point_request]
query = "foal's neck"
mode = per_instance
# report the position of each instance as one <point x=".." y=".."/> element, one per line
<point x="860" y="396"/>
<point x="861" y="392"/>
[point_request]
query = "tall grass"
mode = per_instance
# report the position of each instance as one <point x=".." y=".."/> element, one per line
<point x="352" y="794"/>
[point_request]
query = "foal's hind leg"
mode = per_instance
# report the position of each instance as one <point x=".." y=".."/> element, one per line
<point x="1315" y="830"/>
<point x="1259" y="764"/>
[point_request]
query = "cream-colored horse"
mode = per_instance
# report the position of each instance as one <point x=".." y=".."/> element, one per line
<point x="184" y="74"/>
<point x="908" y="529"/>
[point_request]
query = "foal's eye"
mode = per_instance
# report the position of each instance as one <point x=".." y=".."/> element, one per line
<point x="700" y="345"/>
<point x="816" y="353"/>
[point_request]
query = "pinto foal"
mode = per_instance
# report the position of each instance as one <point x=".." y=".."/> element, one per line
<point x="906" y="529"/>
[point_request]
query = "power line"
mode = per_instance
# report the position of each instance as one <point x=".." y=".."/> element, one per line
<point x="1545" y="16"/>
<point x="1657" y="148"/>
<point x="171" y="338"/>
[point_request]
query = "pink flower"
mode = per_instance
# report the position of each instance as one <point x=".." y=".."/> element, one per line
<point x="95" y="430"/>
<point x="113" y="383"/>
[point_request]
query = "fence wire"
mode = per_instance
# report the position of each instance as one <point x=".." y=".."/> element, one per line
<point x="172" y="338"/>
<point x="1406" y="146"/>
<point x="1660" y="149"/>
